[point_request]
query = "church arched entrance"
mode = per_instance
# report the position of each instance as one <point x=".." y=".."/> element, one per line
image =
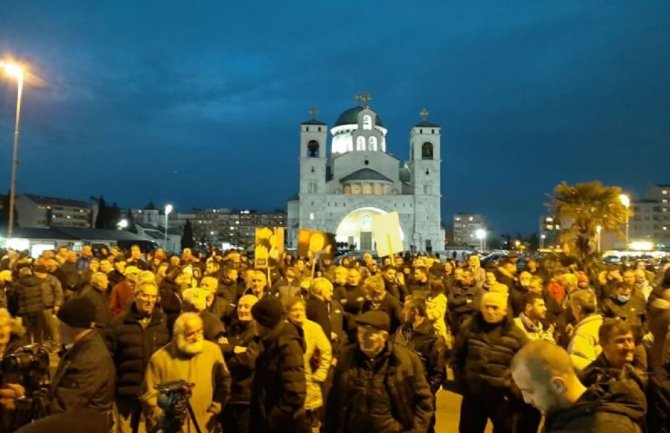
<point x="356" y="228"/>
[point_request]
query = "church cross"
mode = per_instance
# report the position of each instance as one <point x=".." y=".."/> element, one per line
<point x="314" y="111"/>
<point x="424" y="114"/>
<point x="364" y="98"/>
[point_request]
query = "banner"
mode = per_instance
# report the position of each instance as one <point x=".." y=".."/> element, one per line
<point x="269" y="247"/>
<point x="387" y="234"/>
<point x="312" y="242"/>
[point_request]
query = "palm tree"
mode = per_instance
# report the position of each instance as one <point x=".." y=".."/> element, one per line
<point x="582" y="207"/>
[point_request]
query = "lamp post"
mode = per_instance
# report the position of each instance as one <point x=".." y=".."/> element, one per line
<point x="168" y="209"/>
<point x="599" y="229"/>
<point x="542" y="238"/>
<point x="625" y="201"/>
<point x="15" y="71"/>
<point x="122" y="225"/>
<point x="481" y="235"/>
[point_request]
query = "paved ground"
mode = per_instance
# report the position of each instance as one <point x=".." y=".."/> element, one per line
<point x="448" y="409"/>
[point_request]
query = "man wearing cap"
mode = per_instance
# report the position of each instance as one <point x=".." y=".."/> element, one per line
<point x="122" y="293"/>
<point x="278" y="388"/>
<point x="85" y="374"/>
<point x="378" y="386"/>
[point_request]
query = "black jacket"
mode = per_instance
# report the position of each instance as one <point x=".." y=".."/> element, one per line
<point x="388" y="394"/>
<point x="429" y="346"/>
<point x="103" y="312"/>
<point x="658" y="397"/>
<point x="132" y="345"/>
<point x="241" y="365"/>
<point x="84" y="377"/>
<point x="482" y="355"/>
<point x="29" y="294"/>
<point x="278" y="388"/>
<point x="617" y="406"/>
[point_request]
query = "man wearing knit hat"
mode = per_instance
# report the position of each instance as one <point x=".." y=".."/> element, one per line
<point x="85" y="374"/>
<point x="278" y="388"/>
<point x="377" y="385"/>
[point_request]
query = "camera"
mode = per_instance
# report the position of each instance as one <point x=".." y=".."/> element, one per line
<point x="173" y="399"/>
<point x="30" y="364"/>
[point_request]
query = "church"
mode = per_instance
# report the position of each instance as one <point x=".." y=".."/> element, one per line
<point x="341" y="190"/>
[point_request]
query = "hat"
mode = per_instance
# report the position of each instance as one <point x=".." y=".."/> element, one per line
<point x="196" y="297"/>
<point x="77" y="312"/>
<point x="376" y="319"/>
<point x="131" y="270"/>
<point x="267" y="312"/>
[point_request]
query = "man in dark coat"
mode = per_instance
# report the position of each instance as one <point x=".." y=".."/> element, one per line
<point x="278" y="388"/>
<point x="419" y="335"/>
<point x="133" y="336"/>
<point x="480" y="359"/>
<point x="84" y="378"/>
<point x="545" y="376"/>
<point x="98" y="294"/>
<point x="378" y="386"/>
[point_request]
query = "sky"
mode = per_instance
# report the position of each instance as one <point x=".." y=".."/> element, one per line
<point x="199" y="103"/>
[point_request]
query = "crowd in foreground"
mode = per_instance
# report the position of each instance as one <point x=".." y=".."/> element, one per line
<point x="358" y="346"/>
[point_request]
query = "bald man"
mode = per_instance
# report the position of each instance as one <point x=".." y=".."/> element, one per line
<point x="480" y="359"/>
<point x="545" y="375"/>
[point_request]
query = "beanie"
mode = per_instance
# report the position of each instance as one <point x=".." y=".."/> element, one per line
<point x="267" y="312"/>
<point x="78" y="313"/>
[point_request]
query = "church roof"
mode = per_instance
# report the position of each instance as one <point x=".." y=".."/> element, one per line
<point x="405" y="174"/>
<point x="365" y="174"/>
<point x="427" y="124"/>
<point x="313" y="122"/>
<point x="350" y="117"/>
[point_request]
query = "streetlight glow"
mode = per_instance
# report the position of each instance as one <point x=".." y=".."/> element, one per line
<point x="123" y="224"/>
<point x="481" y="235"/>
<point x="168" y="210"/>
<point x="13" y="70"/>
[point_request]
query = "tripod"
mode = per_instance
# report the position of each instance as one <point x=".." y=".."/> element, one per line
<point x="174" y="415"/>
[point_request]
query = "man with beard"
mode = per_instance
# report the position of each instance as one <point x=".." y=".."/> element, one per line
<point x="420" y="285"/>
<point x="544" y="374"/>
<point x="339" y="281"/>
<point x="378" y="386"/>
<point x="191" y="358"/>
<point x="393" y="285"/>
<point x="380" y="300"/>
<point x="530" y="320"/>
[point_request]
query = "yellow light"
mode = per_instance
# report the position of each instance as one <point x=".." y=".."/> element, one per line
<point x="641" y="246"/>
<point x="625" y="200"/>
<point x="14" y="70"/>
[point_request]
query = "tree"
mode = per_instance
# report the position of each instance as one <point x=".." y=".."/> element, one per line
<point x="579" y="209"/>
<point x="187" y="235"/>
<point x="102" y="211"/>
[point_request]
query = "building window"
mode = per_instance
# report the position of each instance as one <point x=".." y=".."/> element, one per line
<point x="372" y="144"/>
<point x="427" y="150"/>
<point x="367" y="188"/>
<point x="356" y="189"/>
<point x="313" y="149"/>
<point x="427" y="189"/>
<point x="347" y="189"/>
<point x="360" y="143"/>
<point x="367" y="122"/>
<point x="312" y="188"/>
<point x="379" y="189"/>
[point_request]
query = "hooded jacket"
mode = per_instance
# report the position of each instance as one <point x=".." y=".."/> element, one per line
<point x="616" y="406"/>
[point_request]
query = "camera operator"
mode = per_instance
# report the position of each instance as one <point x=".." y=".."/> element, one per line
<point x="85" y="374"/>
<point x="11" y="333"/>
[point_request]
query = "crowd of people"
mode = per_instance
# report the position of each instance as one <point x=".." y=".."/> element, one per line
<point x="351" y="345"/>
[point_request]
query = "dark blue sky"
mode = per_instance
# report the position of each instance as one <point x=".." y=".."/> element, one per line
<point x="199" y="103"/>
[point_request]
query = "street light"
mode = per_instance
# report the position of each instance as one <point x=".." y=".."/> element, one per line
<point x="123" y="224"/>
<point x="625" y="201"/>
<point x="542" y="238"/>
<point x="16" y="72"/>
<point x="599" y="229"/>
<point x="481" y="235"/>
<point x="168" y="209"/>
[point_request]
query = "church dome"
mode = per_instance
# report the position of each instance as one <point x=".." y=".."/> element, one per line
<point x="350" y="117"/>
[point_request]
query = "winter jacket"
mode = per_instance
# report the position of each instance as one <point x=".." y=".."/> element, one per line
<point x="601" y="370"/>
<point x="29" y="293"/>
<point x="430" y="347"/>
<point x="616" y="406"/>
<point x="318" y="356"/>
<point x="658" y="398"/>
<point x="659" y="325"/>
<point x="206" y="370"/>
<point x="84" y="377"/>
<point x="532" y="331"/>
<point x="121" y="297"/>
<point x="132" y="345"/>
<point x="278" y="387"/>
<point x="584" y="346"/>
<point x="436" y="310"/>
<point x="388" y="394"/>
<point x="69" y="277"/>
<point x="52" y="292"/>
<point x="482" y="355"/>
<point x="633" y="311"/>
<point x="241" y="365"/>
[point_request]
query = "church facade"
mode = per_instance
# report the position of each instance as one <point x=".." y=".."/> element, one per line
<point x="341" y="190"/>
